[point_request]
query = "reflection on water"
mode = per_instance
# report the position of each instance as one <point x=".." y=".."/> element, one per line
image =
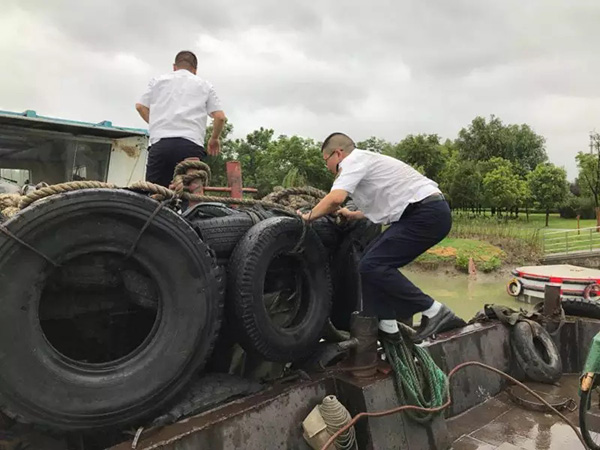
<point x="464" y="295"/>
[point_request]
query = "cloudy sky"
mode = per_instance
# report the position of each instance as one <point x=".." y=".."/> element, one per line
<point x="383" y="68"/>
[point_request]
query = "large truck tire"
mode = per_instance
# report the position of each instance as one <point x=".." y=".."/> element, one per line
<point x="581" y="307"/>
<point x="222" y="234"/>
<point x="279" y="301"/>
<point x="46" y="376"/>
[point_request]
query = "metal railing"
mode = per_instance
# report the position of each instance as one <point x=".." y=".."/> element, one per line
<point x="570" y="241"/>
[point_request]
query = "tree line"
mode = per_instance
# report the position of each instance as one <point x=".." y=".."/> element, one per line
<point x="490" y="167"/>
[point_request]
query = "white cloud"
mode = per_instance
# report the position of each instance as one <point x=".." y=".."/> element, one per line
<point x="385" y="69"/>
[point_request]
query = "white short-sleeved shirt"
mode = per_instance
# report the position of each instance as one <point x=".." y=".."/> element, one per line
<point x="381" y="186"/>
<point x="179" y="104"/>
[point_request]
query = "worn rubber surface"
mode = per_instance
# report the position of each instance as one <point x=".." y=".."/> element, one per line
<point x="40" y="385"/>
<point x="347" y="296"/>
<point x="208" y="211"/>
<point x="247" y="272"/>
<point x="222" y="234"/>
<point x="327" y="231"/>
<point x="535" y="352"/>
<point x="581" y="307"/>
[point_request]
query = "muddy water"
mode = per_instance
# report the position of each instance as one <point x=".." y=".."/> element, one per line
<point x="464" y="295"/>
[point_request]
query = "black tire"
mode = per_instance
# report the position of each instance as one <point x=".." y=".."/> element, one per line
<point x="363" y="233"/>
<point x="327" y="231"/>
<point x="535" y="352"/>
<point x="208" y="211"/>
<point x="260" y="265"/>
<point x="588" y="399"/>
<point x="581" y="307"/>
<point x="222" y="234"/>
<point x="38" y="383"/>
<point x="347" y="296"/>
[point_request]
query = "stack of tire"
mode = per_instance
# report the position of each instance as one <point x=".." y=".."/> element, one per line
<point x="78" y="247"/>
<point x="267" y="254"/>
<point x="75" y="265"/>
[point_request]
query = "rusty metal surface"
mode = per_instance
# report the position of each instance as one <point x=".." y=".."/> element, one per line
<point x="234" y="178"/>
<point x="487" y="343"/>
<point x="271" y="419"/>
<point x="499" y="424"/>
<point x="267" y="420"/>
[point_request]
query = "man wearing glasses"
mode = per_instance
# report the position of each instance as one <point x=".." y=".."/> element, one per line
<point x="388" y="191"/>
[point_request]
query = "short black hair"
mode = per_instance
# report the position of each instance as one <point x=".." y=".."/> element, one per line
<point x="185" y="58"/>
<point x="338" y="140"/>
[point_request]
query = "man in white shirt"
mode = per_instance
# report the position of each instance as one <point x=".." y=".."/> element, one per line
<point x="176" y="106"/>
<point x="388" y="191"/>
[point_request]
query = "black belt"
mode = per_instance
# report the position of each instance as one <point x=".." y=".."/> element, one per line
<point x="437" y="197"/>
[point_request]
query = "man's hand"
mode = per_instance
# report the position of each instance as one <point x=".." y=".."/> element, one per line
<point x="305" y="216"/>
<point x="350" y="215"/>
<point x="214" y="147"/>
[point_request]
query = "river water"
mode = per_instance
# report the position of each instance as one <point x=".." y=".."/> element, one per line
<point x="463" y="294"/>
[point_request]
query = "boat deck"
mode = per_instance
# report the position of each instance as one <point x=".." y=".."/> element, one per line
<point x="502" y="425"/>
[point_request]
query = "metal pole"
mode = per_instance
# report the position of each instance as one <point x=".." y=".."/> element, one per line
<point x="234" y="178"/>
<point x="552" y="299"/>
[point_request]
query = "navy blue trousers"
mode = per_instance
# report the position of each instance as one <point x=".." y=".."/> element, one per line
<point x="387" y="294"/>
<point x="165" y="154"/>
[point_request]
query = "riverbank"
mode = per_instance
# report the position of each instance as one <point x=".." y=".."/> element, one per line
<point x="490" y="254"/>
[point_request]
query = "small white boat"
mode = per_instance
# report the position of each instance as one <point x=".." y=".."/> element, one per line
<point x="529" y="282"/>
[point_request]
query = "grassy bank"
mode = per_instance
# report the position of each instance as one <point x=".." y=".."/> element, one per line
<point x="457" y="252"/>
<point x="493" y="242"/>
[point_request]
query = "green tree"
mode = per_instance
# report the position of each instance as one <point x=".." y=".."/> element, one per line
<point x="503" y="188"/>
<point x="589" y="175"/>
<point x="483" y="140"/>
<point x="252" y="152"/>
<point x="424" y="152"/>
<point x="549" y="187"/>
<point x="295" y="158"/>
<point x="374" y="144"/>
<point x="463" y="184"/>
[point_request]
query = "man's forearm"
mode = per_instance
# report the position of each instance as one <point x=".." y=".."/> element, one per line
<point x="329" y="204"/>
<point x="144" y="112"/>
<point x="218" y="125"/>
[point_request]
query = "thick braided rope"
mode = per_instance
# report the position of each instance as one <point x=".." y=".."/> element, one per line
<point x="237" y="201"/>
<point x="156" y="189"/>
<point x="309" y="191"/>
<point x="187" y="172"/>
<point x="184" y="165"/>
<point x="10" y="211"/>
<point x="62" y="188"/>
<point x="9" y="200"/>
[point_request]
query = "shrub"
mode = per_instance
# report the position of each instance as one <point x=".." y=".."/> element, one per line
<point x="462" y="262"/>
<point x="490" y="264"/>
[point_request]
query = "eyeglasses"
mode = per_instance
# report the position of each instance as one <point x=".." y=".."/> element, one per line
<point x="330" y="155"/>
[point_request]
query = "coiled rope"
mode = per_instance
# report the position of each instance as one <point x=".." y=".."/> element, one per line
<point x="418" y="379"/>
<point x="186" y="174"/>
